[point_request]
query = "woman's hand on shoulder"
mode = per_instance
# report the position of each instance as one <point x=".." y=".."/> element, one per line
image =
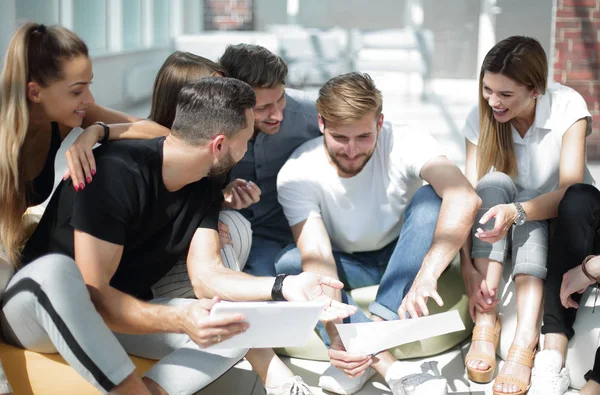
<point x="80" y="157"/>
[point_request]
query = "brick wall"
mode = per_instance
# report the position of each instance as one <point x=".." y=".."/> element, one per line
<point x="577" y="57"/>
<point x="228" y="15"/>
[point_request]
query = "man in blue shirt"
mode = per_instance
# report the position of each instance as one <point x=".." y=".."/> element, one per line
<point x="284" y="119"/>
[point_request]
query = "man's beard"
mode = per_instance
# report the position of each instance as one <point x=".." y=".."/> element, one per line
<point x="346" y="170"/>
<point x="223" y="167"/>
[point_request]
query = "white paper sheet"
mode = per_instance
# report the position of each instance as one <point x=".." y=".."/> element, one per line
<point x="373" y="337"/>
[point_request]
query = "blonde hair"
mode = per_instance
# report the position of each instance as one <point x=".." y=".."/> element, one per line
<point x="523" y="60"/>
<point x="178" y="69"/>
<point x="35" y="53"/>
<point x="349" y="97"/>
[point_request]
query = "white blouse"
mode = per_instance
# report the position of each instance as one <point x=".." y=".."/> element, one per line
<point x="538" y="153"/>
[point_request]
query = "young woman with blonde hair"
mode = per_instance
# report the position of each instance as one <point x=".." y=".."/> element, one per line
<point x="525" y="146"/>
<point x="44" y="94"/>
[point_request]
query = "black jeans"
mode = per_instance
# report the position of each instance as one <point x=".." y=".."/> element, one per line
<point x="576" y="236"/>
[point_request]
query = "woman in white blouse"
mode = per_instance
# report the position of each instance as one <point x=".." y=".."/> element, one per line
<point x="525" y="145"/>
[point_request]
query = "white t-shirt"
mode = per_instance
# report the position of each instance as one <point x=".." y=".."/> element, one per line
<point x="364" y="212"/>
<point x="538" y="153"/>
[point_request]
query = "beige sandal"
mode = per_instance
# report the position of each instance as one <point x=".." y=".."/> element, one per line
<point x="486" y="334"/>
<point x="523" y="356"/>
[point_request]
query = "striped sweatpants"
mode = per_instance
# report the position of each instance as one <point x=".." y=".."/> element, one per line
<point x="47" y="308"/>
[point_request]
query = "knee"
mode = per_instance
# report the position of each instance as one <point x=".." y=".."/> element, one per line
<point x="55" y="268"/>
<point x="579" y="201"/>
<point x="289" y="261"/>
<point x="496" y="179"/>
<point x="425" y="205"/>
<point x="239" y="227"/>
<point x="502" y="188"/>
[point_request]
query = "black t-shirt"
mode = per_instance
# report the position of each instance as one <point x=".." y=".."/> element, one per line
<point x="128" y="204"/>
<point x="40" y="188"/>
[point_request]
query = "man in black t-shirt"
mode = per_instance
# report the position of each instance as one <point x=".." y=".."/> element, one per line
<point x="149" y="202"/>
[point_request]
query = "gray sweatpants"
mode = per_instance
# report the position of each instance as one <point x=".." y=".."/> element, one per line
<point x="176" y="283"/>
<point x="47" y="308"/>
<point x="527" y="244"/>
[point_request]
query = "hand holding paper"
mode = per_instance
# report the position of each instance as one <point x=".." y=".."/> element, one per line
<point x="374" y="337"/>
<point x="353" y="365"/>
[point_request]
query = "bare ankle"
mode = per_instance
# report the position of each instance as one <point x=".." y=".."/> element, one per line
<point x="526" y="338"/>
<point x="132" y="385"/>
<point x="557" y="342"/>
<point x="488" y="318"/>
<point x="153" y="387"/>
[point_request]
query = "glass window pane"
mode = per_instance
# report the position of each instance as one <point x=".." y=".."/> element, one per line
<point x="89" y="22"/>
<point x="132" y="20"/>
<point x="45" y="12"/>
<point x="161" y="22"/>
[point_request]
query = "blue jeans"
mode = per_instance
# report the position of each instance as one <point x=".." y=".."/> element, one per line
<point x="261" y="260"/>
<point x="394" y="267"/>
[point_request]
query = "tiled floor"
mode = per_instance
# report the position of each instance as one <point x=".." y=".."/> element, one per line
<point x="241" y="380"/>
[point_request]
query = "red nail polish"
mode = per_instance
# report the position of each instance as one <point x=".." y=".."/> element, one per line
<point x="81" y="186"/>
<point x="89" y="179"/>
<point x="76" y="187"/>
<point x="93" y="172"/>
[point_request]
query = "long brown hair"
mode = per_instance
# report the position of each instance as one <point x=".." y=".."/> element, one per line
<point x="523" y="60"/>
<point x="179" y="69"/>
<point x="35" y="53"/>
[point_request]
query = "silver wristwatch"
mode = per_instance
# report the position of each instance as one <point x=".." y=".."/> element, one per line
<point x="521" y="215"/>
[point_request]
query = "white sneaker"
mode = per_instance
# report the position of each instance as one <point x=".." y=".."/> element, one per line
<point x="548" y="377"/>
<point x="294" y="386"/>
<point x="334" y="380"/>
<point x="419" y="384"/>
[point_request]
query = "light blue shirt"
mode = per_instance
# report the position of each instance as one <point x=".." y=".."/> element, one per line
<point x="267" y="154"/>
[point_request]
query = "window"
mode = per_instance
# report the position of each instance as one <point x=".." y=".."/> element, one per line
<point x="132" y="24"/>
<point x="160" y="19"/>
<point x="45" y="12"/>
<point x="89" y="22"/>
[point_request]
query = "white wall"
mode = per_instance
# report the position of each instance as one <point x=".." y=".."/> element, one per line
<point x="361" y="14"/>
<point x="111" y="71"/>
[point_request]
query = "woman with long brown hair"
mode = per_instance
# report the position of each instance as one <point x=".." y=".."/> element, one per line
<point x="525" y="146"/>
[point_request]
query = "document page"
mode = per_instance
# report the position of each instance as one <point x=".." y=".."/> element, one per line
<point x="374" y="337"/>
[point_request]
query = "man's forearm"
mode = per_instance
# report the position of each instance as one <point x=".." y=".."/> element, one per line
<point x="143" y="129"/>
<point x="232" y="285"/>
<point x="107" y="115"/>
<point x="125" y="314"/>
<point x="454" y="225"/>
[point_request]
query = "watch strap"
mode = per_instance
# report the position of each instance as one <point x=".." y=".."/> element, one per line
<point x="521" y="215"/>
<point x="106" y="131"/>
<point x="277" y="290"/>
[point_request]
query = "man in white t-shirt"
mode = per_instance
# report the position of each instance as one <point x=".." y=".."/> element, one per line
<point x="358" y="212"/>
